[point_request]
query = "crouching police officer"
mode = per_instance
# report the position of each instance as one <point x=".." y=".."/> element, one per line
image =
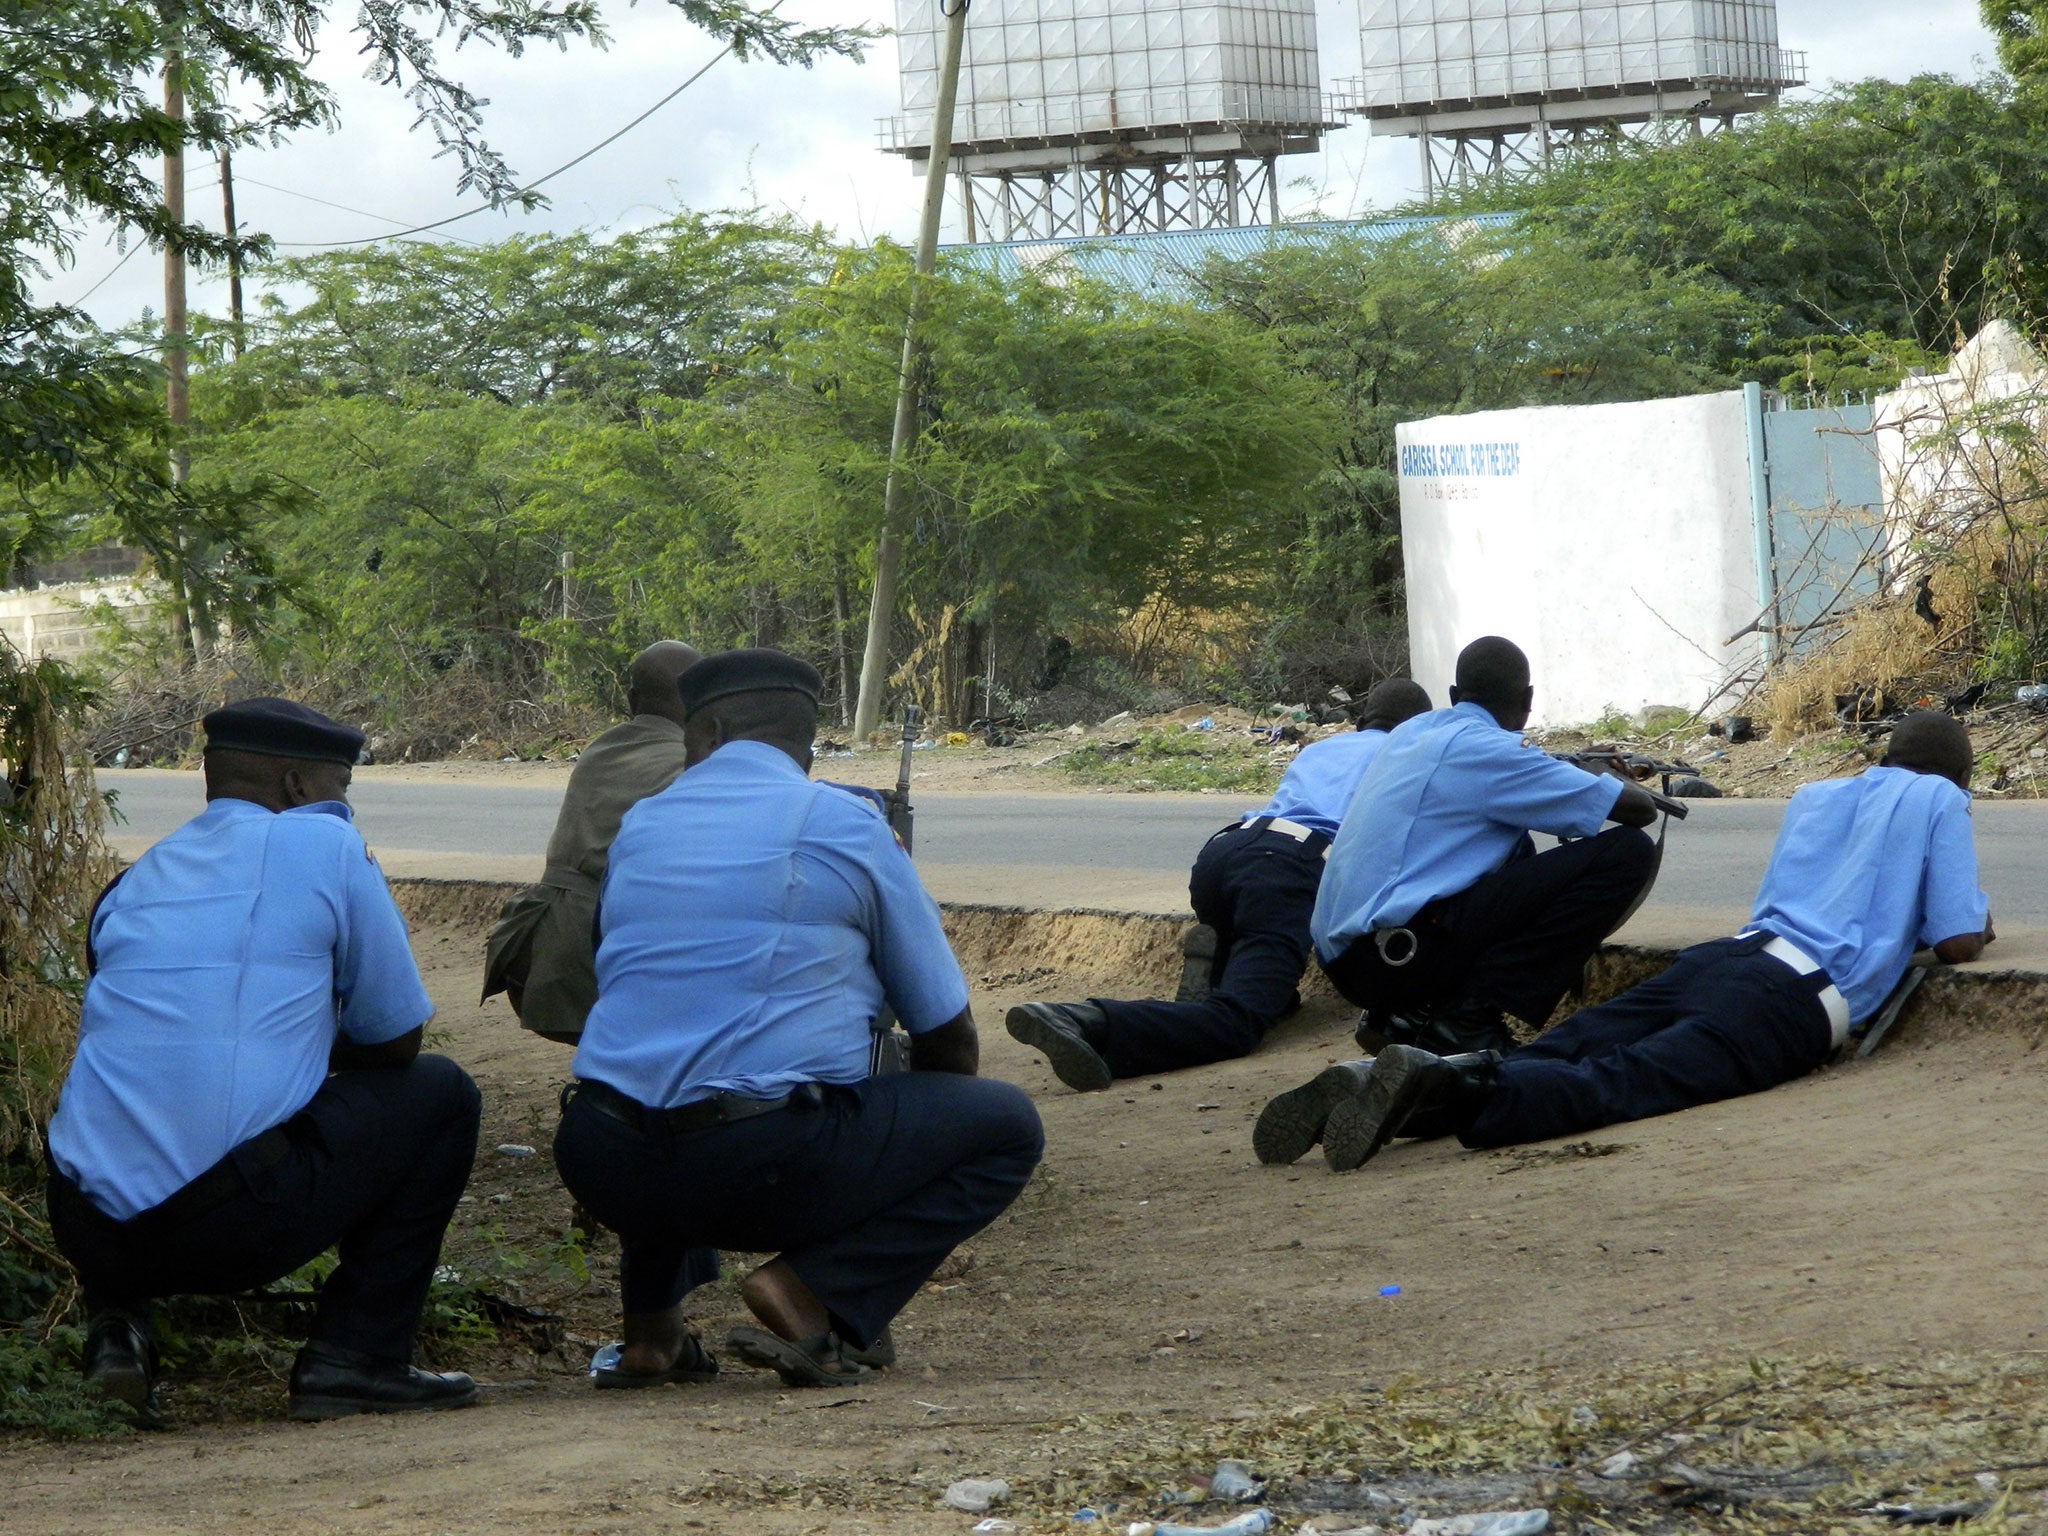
<point x="752" y="925"/>
<point x="249" y="1090"/>
<point x="1436" y="913"/>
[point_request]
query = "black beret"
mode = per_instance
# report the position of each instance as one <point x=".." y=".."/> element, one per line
<point x="280" y="728"/>
<point x="757" y="670"/>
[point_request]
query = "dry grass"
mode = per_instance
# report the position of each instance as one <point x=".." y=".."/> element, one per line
<point x="151" y="710"/>
<point x="1884" y="645"/>
<point x="53" y="862"/>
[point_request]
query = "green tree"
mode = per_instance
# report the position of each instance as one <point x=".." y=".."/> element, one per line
<point x="1090" y="456"/>
<point x="1447" y="319"/>
<point x="1912" y="209"/>
<point x="81" y="135"/>
<point x="2021" y="30"/>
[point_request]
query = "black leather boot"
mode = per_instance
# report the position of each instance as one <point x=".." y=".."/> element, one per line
<point x="120" y="1363"/>
<point x="1406" y="1081"/>
<point x="329" y="1382"/>
<point x="1292" y="1122"/>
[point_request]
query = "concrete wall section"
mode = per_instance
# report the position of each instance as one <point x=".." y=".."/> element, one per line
<point x="1614" y="543"/>
<point x="62" y="620"/>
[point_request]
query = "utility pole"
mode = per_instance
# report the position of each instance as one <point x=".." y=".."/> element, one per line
<point x="236" y="335"/>
<point x="874" y="665"/>
<point x="177" y="393"/>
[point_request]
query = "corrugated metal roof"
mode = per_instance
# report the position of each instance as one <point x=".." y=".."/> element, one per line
<point x="1161" y="262"/>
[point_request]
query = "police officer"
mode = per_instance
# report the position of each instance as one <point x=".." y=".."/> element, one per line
<point x="1864" y="871"/>
<point x="249" y="1090"/>
<point x="1436" y="913"/>
<point x="541" y="954"/>
<point x="753" y="924"/>
<point x="1253" y="887"/>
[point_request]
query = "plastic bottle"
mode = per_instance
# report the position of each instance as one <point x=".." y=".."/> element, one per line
<point x="1253" y="1522"/>
<point x="1233" y="1480"/>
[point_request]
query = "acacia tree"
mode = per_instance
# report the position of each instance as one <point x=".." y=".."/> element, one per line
<point x="2021" y="29"/>
<point x="82" y="133"/>
<point x="1434" y="322"/>
<point x="1910" y="209"/>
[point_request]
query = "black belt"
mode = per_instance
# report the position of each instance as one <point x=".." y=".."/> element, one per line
<point x="719" y="1109"/>
<point x="222" y="1182"/>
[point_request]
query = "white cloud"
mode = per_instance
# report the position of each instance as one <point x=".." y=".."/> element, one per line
<point x="790" y="139"/>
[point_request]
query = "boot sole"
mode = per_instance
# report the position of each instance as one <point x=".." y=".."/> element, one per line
<point x="1293" y="1121"/>
<point x="1198" y="960"/>
<point x="1365" y="1122"/>
<point x="310" y="1410"/>
<point x="1074" y="1062"/>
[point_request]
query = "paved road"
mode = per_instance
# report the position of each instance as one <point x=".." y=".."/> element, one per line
<point x="1119" y="851"/>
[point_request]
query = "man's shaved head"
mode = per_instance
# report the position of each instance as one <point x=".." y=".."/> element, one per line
<point x="1494" y="674"/>
<point x="651" y="680"/>
<point x="1391" y="702"/>
<point x="1927" y="741"/>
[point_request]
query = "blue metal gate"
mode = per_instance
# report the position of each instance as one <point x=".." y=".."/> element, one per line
<point x="1818" y="507"/>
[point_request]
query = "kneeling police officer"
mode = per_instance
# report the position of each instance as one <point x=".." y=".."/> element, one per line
<point x="249" y="1090"/>
<point x="752" y="925"/>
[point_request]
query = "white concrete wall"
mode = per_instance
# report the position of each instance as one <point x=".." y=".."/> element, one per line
<point x="1613" y="543"/>
<point x="59" y="620"/>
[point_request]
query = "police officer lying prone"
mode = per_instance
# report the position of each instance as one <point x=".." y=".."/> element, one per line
<point x="1436" y="914"/>
<point x="752" y="926"/>
<point x="249" y="1090"/>
<point x="1253" y="888"/>
<point x="1863" y="871"/>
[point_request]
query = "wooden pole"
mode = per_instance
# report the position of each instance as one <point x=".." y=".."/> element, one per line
<point x="874" y="666"/>
<point x="237" y="335"/>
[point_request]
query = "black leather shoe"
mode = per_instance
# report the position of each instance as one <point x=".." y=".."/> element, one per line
<point x="329" y="1382"/>
<point x="1060" y="1030"/>
<point x="1405" y="1081"/>
<point x="1292" y="1122"/>
<point x="119" y="1363"/>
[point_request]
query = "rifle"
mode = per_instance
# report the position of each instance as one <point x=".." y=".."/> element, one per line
<point x="888" y="1046"/>
<point x="901" y="816"/>
<point x="1639" y="769"/>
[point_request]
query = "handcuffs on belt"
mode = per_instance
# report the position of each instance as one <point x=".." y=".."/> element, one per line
<point x="1389" y="940"/>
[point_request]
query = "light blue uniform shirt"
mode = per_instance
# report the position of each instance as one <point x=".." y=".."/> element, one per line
<point x="752" y="925"/>
<point x="228" y="956"/>
<point x="1443" y="804"/>
<point x="1865" y="871"/>
<point x="1321" y="780"/>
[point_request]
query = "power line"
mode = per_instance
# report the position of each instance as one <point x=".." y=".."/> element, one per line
<point x="385" y="218"/>
<point x="606" y="142"/>
<point x="125" y="259"/>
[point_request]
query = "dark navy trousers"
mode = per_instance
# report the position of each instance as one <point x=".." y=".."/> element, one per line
<point x="1724" y="1020"/>
<point x="372" y="1166"/>
<point x="864" y="1192"/>
<point x="1257" y="890"/>
<point x="1516" y="939"/>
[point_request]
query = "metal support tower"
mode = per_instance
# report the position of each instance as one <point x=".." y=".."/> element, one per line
<point x="1134" y="197"/>
<point x="1454" y="158"/>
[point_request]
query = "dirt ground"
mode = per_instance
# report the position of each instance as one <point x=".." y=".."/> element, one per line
<point x="1786" y="1307"/>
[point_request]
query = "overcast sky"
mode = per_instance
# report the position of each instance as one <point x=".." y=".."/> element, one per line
<point x="783" y="138"/>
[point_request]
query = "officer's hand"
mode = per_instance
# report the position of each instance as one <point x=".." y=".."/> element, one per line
<point x="1633" y="807"/>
